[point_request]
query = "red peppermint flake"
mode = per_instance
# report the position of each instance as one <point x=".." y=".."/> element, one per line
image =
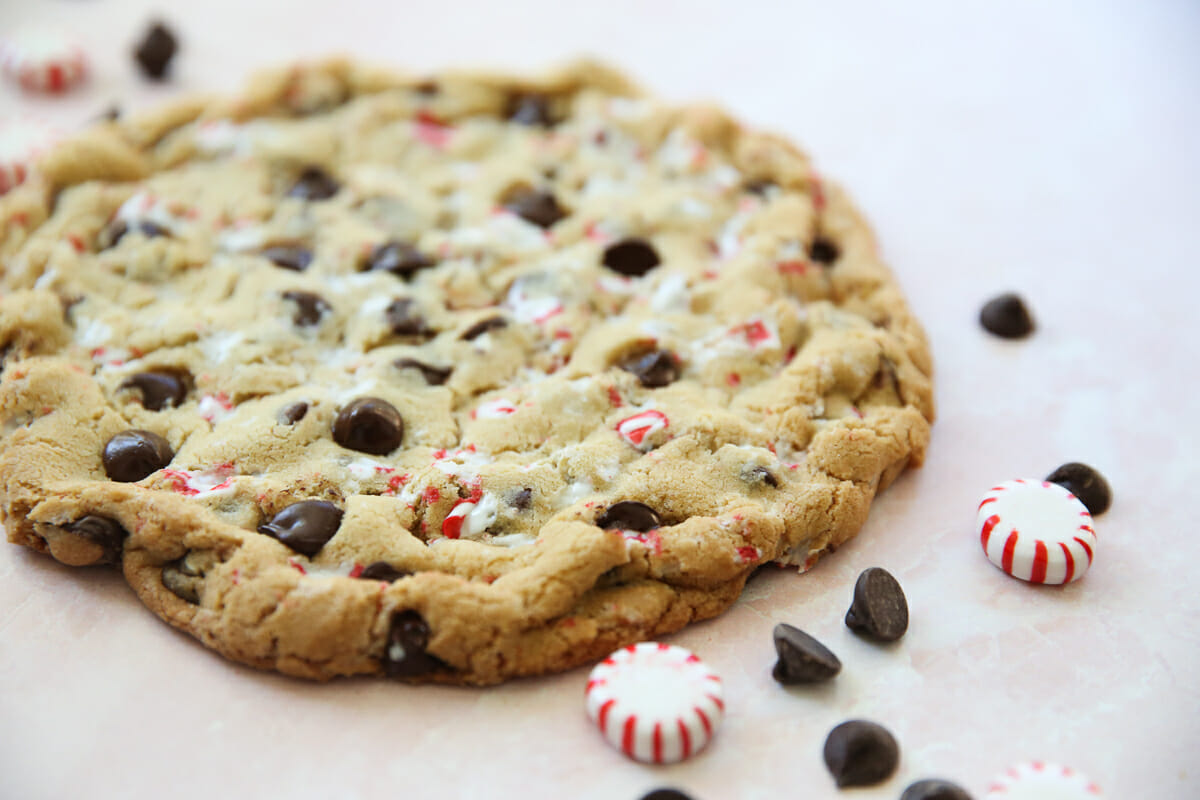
<point x="755" y="332"/>
<point x="356" y="570"/>
<point x="431" y="494"/>
<point x="748" y="553"/>
<point x="297" y="566"/>
<point x="614" y="397"/>
<point x="433" y="130"/>
<point x="635" y="429"/>
<point x="792" y="267"/>
<point x="733" y="379"/>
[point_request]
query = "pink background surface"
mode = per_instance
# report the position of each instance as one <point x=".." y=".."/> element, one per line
<point x="1044" y="148"/>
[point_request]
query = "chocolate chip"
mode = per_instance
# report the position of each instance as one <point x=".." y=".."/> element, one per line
<point x="133" y="454"/>
<point x="155" y="51"/>
<point x="861" y="753"/>
<point x="289" y="256"/>
<point x="759" y="186"/>
<point x="434" y="376"/>
<point x="879" y="609"/>
<point x="823" y="251"/>
<point x="1007" y="317"/>
<point x="654" y="369"/>
<point x="427" y="87"/>
<point x="382" y="571"/>
<point x="1085" y="483"/>
<point x="632" y="257"/>
<point x="536" y="206"/>
<point x="110" y="114"/>
<point x="161" y="389"/>
<point x="522" y="500"/>
<point x="399" y="258"/>
<point x="404" y="318"/>
<point x="293" y="413"/>
<point x="802" y="659"/>
<point x="666" y="794"/>
<point x="118" y="228"/>
<point x="305" y="526"/>
<point x="629" y="515"/>
<point x="405" y="654"/>
<point x="185" y="577"/>
<point x="762" y="474"/>
<point x="482" y="327"/>
<point x="102" y="531"/>
<point x="314" y="183"/>
<point x="369" y="425"/>
<point x="530" y="109"/>
<point x="933" y="789"/>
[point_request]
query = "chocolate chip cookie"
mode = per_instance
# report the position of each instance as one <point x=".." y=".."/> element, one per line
<point x="451" y="379"/>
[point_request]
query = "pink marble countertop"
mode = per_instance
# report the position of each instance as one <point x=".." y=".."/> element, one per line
<point x="1044" y="148"/>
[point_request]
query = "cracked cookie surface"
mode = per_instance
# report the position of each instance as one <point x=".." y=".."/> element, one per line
<point x="452" y="379"/>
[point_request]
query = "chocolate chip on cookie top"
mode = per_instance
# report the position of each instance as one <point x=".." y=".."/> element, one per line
<point x="289" y="256"/>
<point x="382" y="571"/>
<point x="404" y="318"/>
<point x="633" y="257"/>
<point x="369" y="425"/>
<point x="314" y="183"/>
<point x="537" y="206"/>
<point x="629" y="515"/>
<point x="310" y="307"/>
<point x="292" y="413"/>
<point x="399" y="258"/>
<point x="305" y="526"/>
<point x="433" y="375"/>
<point x="530" y="109"/>
<point x="405" y="654"/>
<point x="159" y="389"/>
<point x="134" y="454"/>
<point x="655" y="369"/>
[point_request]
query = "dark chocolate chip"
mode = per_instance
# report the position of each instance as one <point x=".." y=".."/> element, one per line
<point x="802" y="659"/>
<point x="530" y="109"/>
<point x="404" y="318"/>
<point x="309" y="307"/>
<point x="522" y="500"/>
<point x="759" y="186"/>
<point x="632" y="257"/>
<point x="535" y="206"/>
<point x="305" y="526"/>
<point x="823" y="251"/>
<point x="399" y="258"/>
<point x="118" y="228"/>
<point x="1006" y="316"/>
<point x="405" y="654"/>
<point x="861" y="753"/>
<point x="162" y="389"/>
<point x="629" y="515"/>
<point x="133" y="454"/>
<point x="105" y="532"/>
<point x="110" y="114"/>
<point x="1085" y="483"/>
<point x="482" y="327"/>
<point x="289" y="256"/>
<point x="292" y="413"/>
<point x="654" y="369"/>
<point x="428" y="87"/>
<point x="759" y="473"/>
<point x="879" y="609"/>
<point x="314" y="183"/>
<point x="369" y="425"/>
<point x="666" y="794"/>
<point x="933" y="789"/>
<point x="183" y="584"/>
<point x="382" y="571"/>
<point x="434" y="376"/>
<point x="155" y="51"/>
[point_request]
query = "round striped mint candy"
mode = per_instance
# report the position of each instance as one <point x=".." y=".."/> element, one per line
<point x="44" y="60"/>
<point x="654" y="702"/>
<point x="1036" y="531"/>
<point x="1039" y="780"/>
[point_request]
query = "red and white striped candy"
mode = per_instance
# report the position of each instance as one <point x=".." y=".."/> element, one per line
<point x="22" y="141"/>
<point x="635" y="429"/>
<point x="654" y="702"/>
<point x="1038" y="780"/>
<point x="44" y="60"/>
<point x="1036" y="531"/>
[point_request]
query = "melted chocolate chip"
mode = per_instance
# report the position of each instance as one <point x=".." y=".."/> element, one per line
<point x="629" y="515"/>
<point x="759" y="186"/>
<point x="535" y="206"/>
<point x="654" y="369"/>
<point x="309" y="307"/>
<point x="105" y="532"/>
<point x="861" y="753"/>
<point x="405" y="654"/>
<point x="293" y="413"/>
<point x="399" y="258"/>
<point x="427" y="88"/>
<point x="933" y="789"/>
<point x="314" y="183"/>
<point x="305" y="526"/>
<point x="759" y="473"/>
<point x="482" y="327"/>
<point x="289" y="256"/>
<point x="404" y="318"/>
<point x="133" y="454"/>
<point x="382" y="571"/>
<point x="155" y="51"/>
<point x="530" y="109"/>
<point x="632" y="257"/>
<point x="823" y="251"/>
<point x="118" y="228"/>
<point x="434" y="376"/>
<point x="159" y="390"/>
<point x="522" y="500"/>
<point x="879" y="610"/>
<point x="184" y="577"/>
<point x="1007" y="317"/>
<point x="369" y="425"/>
<point x="802" y="659"/>
<point x="666" y="794"/>
<point x="1085" y="483"/>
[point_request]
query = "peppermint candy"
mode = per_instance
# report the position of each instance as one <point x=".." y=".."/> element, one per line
<point x="44" y="60"/>
<point x="636" y="429"/>
<point x="654" y="702"/>
<point x="1036" y="531"/>
<point x="1039" y="780"/>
